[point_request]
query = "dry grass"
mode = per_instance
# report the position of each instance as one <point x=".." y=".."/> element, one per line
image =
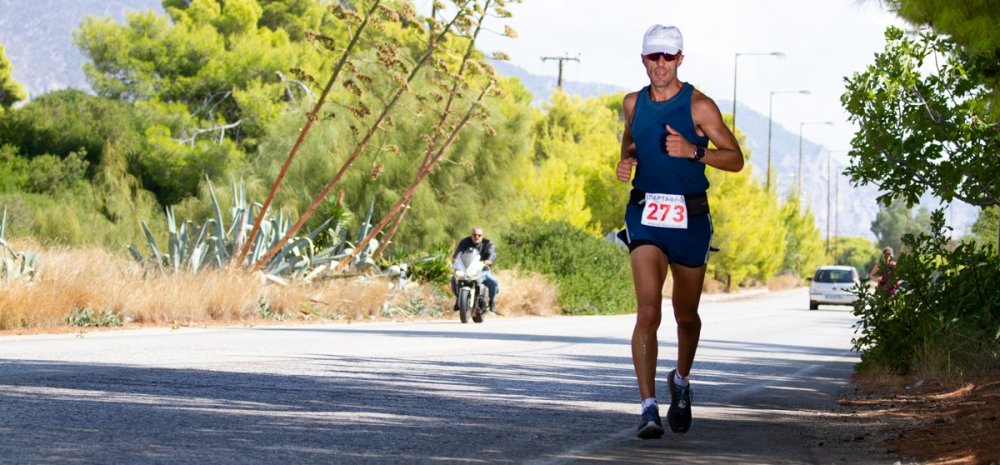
<point x="784" y="281"/>
<point x="75" y="279"/>
<point x="526" y="294"/>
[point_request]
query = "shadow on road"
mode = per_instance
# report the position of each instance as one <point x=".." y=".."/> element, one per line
<point x="325" y="408"/>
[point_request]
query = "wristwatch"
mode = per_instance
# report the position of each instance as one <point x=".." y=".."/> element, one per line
<point x="699" y="153"/>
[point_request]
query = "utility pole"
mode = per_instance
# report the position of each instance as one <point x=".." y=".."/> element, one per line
<point x="561" y="59"/>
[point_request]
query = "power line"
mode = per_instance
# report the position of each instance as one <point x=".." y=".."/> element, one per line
<point x="561" y="60"/>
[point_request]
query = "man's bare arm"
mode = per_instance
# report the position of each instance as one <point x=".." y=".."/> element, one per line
<point x="627" y="158"/>
<point x="727" y="155"/>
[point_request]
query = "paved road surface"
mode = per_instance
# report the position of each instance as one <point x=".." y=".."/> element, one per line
<point x="512" y="390"/>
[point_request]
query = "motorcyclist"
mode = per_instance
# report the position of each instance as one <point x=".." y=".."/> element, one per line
<point x="487" y="253"/>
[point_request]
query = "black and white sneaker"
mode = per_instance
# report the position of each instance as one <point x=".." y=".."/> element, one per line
<point x="650" y="426"/>
<point x="679" y="413"/>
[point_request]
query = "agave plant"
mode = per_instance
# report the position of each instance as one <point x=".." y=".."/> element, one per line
<point x="16" y="266"/>
<point x="192" y="247"/>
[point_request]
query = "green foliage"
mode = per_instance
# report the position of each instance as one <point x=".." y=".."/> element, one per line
<point x="895" y="220"/>
<point x="749" y="229"/>
<point x="53" y="203"/>
<point x="572" y="176"/>
<point x="474" y="185"/>
<point x="923" y="119"/>
<point x="172" y="169"/>
<point x="854" y="251"/>
<point x="85" y="318"/>
<point x="71" y="121"/>
<point x="49" y="173"/>
<point x="593" y="275"/>
<point x="803" y="244"/>
<point x="13" y="169"/>
<point x="986" y="229"/>
<point x="216" y="61"/>
<point x="41" y="174"/>
<point x="296" y="17"/>
<point x="433" y="269"/>
<point x="10" y="91"/>
<point x="971" y="24"/>
<point x="77" y="216"/>
<point x="945" y="318"/>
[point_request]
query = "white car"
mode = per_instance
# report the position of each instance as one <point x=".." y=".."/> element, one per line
<point x="831" y="285"/>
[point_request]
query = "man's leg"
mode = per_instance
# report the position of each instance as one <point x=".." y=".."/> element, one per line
<point x="494" y="287"/>
<point x="686" y="298"/>
<point x="649" y="270"/>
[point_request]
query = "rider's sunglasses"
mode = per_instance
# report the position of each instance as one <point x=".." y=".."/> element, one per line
<point x="477" y="235"/>
<point x="654" y="57"/>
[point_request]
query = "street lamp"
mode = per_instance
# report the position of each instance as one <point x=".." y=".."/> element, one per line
<point x="735" y="64"/>
<point x="770" y="111"/>
<point x="828" y="123"/>
<point x="829" y="177"/>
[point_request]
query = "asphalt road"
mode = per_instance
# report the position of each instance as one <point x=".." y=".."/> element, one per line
<point x="511" y="390"/>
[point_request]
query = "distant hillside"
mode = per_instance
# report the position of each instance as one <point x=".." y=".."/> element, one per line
<point x="38" y="37"/>
<point x="541" y="87"/>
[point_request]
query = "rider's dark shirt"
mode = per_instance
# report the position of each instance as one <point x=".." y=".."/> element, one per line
<point x="485" y="249"/>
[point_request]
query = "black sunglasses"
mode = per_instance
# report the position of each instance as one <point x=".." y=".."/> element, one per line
<point x="654" y="57"/>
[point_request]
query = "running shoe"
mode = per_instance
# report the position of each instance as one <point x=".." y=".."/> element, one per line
<point x="650" y="426"/>
<point x="679" y="413"/>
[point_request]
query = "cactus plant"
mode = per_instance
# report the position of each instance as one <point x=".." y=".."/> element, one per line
<point x="13" y="265"/>
<point x="193" y="248"/>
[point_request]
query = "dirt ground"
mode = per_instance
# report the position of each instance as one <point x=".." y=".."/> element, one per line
<point x="929" y="422"/>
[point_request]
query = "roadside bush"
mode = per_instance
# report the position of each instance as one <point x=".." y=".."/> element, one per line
<point x="435" y="270"/>
<point x="70" y="120"/>
<point x="944" y="319"/>
<point x="593" y="276"/>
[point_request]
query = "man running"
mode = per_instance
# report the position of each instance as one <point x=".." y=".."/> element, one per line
<point x="668" y="127"/>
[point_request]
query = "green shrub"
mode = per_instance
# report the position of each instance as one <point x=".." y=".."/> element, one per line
<point x="85" y="317"/>
<point x="593" y="275"/>
<point x="435" y="269"/>
<point x="71" y="120"/>
<point x="944" y="320"/>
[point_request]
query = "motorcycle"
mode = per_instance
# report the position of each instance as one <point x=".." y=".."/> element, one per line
<point x="472" y="296"/>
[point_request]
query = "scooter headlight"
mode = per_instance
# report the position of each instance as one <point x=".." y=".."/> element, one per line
<point x="459" y="274"/>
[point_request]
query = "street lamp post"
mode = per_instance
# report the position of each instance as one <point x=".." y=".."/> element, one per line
<point x="836" y="210"/>
<point x="735" y="65"/>
<point x="828" y="123"/>
<point x="770" y="111"/>
<point x="829" y="157"/>
<point x="829" y="177"/>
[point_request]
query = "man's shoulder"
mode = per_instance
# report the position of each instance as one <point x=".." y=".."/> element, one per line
<point x="702" y="106"/>
<point x="698" y="99"/>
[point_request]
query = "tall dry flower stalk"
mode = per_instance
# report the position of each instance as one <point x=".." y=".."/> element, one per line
<point x="390" y="60"/>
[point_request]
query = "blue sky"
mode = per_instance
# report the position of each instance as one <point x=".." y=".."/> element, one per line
<point x="823" y="41"/>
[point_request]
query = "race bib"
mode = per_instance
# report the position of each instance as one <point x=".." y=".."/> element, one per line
<point x="665" y="211"/>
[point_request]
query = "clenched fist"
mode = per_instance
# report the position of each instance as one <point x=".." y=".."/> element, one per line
<point x="624" y="169"/>
<point x="677" y="146"/>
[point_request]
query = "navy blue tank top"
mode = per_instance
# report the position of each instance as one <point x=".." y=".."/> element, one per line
<point x="657" y="172"/>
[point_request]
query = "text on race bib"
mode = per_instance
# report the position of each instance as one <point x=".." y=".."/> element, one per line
<point x="665" y="211"/>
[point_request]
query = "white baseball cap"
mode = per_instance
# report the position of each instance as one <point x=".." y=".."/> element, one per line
<point x="660" y="38"/>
